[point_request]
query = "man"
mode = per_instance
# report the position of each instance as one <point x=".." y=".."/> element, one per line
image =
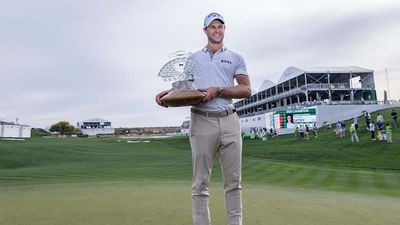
<point x="388" y="133"/>
<point x="393" y="114"/>
<point x="372" y="130"/>
<point x="367" y="117"/>
<point x="339" y="132"/>
<point x="355" y="121"/>
<point x="353" y="133"/>
<point x="379" y="118"/>
<point x="215" y="127"/>
<point x="315" y="130"/>
<point x="289" y="123"/>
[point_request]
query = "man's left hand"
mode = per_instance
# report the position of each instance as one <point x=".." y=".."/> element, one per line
<point x="211" y="93"/>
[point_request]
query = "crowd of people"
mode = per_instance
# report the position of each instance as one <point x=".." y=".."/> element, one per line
<point x="303" y="131"/>
<point x="379" y="130"/>
<point x="259" y="132"/>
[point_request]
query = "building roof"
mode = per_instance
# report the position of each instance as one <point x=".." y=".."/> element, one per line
<point x="95" y="120"/>
<point x="292" y="72"/>
<point x="5" y="122"/>
<point x="2" y="122"/>
<point x="266" y="84"/>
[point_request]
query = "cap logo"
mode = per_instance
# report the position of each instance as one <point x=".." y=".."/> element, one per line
<point x="213" y="15"/>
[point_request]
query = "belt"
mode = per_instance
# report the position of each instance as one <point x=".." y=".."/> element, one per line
<point x="214" y="114"/>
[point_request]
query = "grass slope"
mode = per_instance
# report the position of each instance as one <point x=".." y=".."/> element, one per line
<point x="326" y="163"/>
<point x="286" y="181"/>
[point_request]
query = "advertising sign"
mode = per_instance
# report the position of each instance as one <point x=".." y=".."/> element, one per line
<point x="289" y="118"/>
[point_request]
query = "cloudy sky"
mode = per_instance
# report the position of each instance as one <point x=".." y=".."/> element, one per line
<point x="79" y="59"/>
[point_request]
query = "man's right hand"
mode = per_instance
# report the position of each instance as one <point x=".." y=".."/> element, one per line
<point x="159" y="96"/>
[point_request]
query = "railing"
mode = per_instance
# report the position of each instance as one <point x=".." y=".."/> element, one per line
<point x="332" y="86"/>
<point x="303" y="88"/>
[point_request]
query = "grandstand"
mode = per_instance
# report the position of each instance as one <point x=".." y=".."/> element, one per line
<point x="312" y="95"/>
<point x="316" y="85"/>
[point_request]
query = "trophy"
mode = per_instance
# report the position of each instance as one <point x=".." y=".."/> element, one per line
<point x="182" y="71"/>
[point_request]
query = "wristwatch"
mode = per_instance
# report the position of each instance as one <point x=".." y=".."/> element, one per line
<point x="220" y="92"/>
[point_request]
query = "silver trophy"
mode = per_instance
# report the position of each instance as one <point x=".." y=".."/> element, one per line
<point x="182" y="71"/>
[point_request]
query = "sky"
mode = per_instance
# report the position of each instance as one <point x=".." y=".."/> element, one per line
<point x="80" y="59"/>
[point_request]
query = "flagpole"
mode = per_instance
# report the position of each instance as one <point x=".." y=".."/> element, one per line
<point x="387" y="82"/>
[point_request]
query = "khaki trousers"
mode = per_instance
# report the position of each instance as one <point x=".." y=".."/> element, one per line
<point x="212" y="136"/>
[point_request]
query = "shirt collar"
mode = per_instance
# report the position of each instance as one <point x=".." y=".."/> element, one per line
<point x="205" y="49"/>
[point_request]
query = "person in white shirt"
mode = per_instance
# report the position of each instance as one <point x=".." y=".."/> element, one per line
<point x="372" y="130"/>
<point x="379" y="118"/>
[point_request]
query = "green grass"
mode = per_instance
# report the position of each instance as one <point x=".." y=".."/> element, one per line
<point x="104" y="179"/>
<point x="168" y="203"/>
<point x="54" y="160"/>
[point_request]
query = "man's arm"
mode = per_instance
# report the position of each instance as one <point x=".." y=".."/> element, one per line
<point x="241" y="90"/>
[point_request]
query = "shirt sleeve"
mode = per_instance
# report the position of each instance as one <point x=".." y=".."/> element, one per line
<point x="240" y="67"/>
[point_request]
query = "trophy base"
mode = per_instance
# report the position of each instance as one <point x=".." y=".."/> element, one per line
<point x="178" y="98"/>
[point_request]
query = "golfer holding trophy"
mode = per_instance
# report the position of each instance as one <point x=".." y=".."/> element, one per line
<point x="206" y="82"/>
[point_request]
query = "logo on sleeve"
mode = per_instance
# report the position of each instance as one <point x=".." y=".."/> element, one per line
<point x="226" y="61"/>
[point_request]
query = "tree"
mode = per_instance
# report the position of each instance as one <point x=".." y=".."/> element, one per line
<point x="63" y="127"/>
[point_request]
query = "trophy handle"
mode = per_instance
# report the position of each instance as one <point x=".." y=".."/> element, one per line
<point x="179" y="54"/>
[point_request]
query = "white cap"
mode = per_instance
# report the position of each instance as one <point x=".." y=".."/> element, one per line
<point x="211" y="17"/>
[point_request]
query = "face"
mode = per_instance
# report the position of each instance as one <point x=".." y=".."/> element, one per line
<point x="215" y="32"/>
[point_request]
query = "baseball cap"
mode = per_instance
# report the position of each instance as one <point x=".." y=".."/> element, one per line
<point x="211" y="17"/>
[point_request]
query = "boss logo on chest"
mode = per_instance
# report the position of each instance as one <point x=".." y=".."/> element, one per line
<point x="226" y="61"/>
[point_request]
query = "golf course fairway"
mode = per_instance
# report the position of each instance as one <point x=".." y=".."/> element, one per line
<point x="168" y="203"/>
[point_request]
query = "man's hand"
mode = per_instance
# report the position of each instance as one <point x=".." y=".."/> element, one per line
<point x="159" y="96"/>
<point x="211" y="93"/>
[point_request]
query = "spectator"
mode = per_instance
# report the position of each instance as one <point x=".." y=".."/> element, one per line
<point x="367" y="118"/>
<point x="296" y="132"/>
<point x="394" y="118"/>
<point x="353" y="133"/>
<point x="379" y="118"/>
<point x="355" y="121"/>
<point x="388" y="133"/>
<point x="339" y="129"/>
<point x="306" y="132"/>
<point x="343" y="128"/>
<point x="372" y="130"/>
<point x="315" y="130"/>
<point x="379" y="126"/>
<point x="252" y="134"/>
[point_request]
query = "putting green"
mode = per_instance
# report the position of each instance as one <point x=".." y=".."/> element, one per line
<point x="168" y="203"/>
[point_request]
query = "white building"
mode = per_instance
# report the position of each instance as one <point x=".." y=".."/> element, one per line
<point x="185" y="127"/>
<point x="96" y="126"/>
<point x="13" y="130"/>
